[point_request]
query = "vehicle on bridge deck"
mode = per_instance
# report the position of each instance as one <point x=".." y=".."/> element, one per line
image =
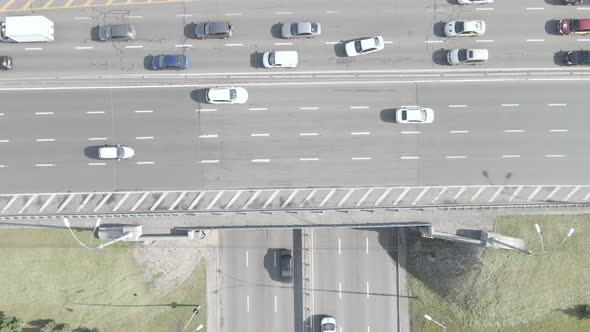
<point x="414" y="114"/>
<point x="577" y="58"/>
<point x="286" y="264"/>
<point x="328" y="324"/>
<point x="576" y="26"/>
<point x="115" y="152"/>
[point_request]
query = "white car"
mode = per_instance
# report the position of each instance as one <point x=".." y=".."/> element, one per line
<point x="470" y="56"/>
<point x="474" y="2"/>
<point x="301" y="30"/>
<point x="414" y="114"/>
<point x="465" y="28"/>
<point x="115" y="152"/>
<point x="227" y="95"/>
<point x="364" y="46"/>
<point x="328" y="324"/>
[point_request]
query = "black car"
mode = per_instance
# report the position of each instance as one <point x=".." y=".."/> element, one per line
<point x="576" y="2"/>
<point x="5" y="62"/>
<point x="286" y="264"/>
<point x="577" y="58"/>
<point x="213" y="30"/>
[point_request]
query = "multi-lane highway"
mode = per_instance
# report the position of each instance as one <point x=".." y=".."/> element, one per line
<point x="318" y="135"/>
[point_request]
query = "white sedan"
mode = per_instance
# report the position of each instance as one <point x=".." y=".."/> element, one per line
<point x="414" y="114"/>
<point x="474" y="2"/>
<point x="364" y="46"/>
<point x="227" y="95"/>
<point x="328" y="324"/>
<point x="115" y="152"/>
<point x="465" y="28"/>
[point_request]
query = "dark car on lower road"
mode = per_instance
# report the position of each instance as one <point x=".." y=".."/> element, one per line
<point x="116" y="32"/>
<point x="213" y="30"/>
<point x="170" y="61"/>
<point x="5" y="62"/>
<point x="577" y="58"/>
<point x="286" y="264"/>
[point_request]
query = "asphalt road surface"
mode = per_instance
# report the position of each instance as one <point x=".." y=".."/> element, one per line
<point x="324" y="135"/>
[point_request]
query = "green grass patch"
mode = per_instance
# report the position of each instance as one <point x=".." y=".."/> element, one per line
<point x="500" y="290"/>
<point x="46" y="275"/>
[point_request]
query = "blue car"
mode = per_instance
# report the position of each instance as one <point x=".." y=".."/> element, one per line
<point x="170" y="61"/>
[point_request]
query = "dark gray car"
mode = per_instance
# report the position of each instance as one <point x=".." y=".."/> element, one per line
<point x="286" y="264"/>
<point x="116" y="32"/>
<point x="208" y="30"/>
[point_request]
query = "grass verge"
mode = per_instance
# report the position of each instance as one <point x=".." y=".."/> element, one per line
<point x="46" y="275"/>
<point x="499" y="290"/>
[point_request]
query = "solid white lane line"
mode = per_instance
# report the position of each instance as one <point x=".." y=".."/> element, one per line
<point x="260" y="160"/>
<point x="509" y="105"/>
<point x="535" y="40"/>
<point x="511" y="156"/>
<point x="97" y="164"/>
<point x="207" y="110"/>
<point x="247" y="260"/>
<point x="248" y="303"/>
<point x="144" y="111"/>
<point x="276" y="306"/>
<point x="360" y="133"/>
<point x="339" y="246"/>
<point x="183" y="45"/>
<point x="558" y="104"/>
<point x="283" y="44"/>
<point x="184" y="15"/>
<point x="209" y="136"/>
<point x="95" y="112"/>
<point x="260" y="135"/>
<point x="309" y="159"/>
<point x="558" y="130"/>
<point x="555" y="155"/>
<point x="97" y="139"/>
<point x="410" y="132"/>
<point x="134" y="46"/>
<point x="258" y="109"/>
<point x="84" y="47"/>
<point x="514" y="131"/>
<point x="308" y="134"/>
<point x="455" y="157"/>
<point x="234" y="44"/>
<point x="361" y="158"/>
<point x="45" y="139"/>
<point x="308" y="108"/>
<point x="33" y="48"/>
<point x="144" y="137"/>
<point x="43" y="113"/>
<point x="358" y="107"/>
<point x="457" y="106"/>
<point x="233" y="14"/>
<point x="145" y="162"/>
<point x="210" y="161"/>
<point x="4" y="140"/>
<point x="409" y="157"/>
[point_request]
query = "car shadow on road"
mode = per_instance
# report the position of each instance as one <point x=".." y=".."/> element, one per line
<point x="147" y="62"/>
<point x="558" y="58"/>
<point x="272" y="261"/>
<point x="439" y="57"/>
<point x="339" y="49"/>
<point x="275" y="30"/>
<point x="91" y="151"/>
<point x="94" y="33"/>
<point x="388" y="115"/>
<point x="438" y="29"/>
<point x="199" y="96"/>
<point x="551" y="27"/>
<point x="256" y="60"/>
<point x="189" y="31"/>
<point x="314" y="321"/>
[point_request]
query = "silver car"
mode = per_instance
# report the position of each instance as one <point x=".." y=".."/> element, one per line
<point x="115" y="152"/>
<point x="206" y="30"/>
<point x="116" y="32"/>
<point x="301" y="30"/>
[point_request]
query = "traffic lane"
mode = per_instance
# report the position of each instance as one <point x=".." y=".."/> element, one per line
<point x="267" y="303"/>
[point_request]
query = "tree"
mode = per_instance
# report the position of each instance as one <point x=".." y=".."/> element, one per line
<point x="11" y="324"/>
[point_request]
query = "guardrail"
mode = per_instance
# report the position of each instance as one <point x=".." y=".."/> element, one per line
<point x="182" y="203"/>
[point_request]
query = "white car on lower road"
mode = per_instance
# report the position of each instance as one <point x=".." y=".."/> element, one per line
<point x="227" y="95"/>
<point x="364" y="46"/>
<point x="328" y="324"/>
<point x="414" y="114"/>
<point x="115" y="152"/>
<point x="465" y="28"/>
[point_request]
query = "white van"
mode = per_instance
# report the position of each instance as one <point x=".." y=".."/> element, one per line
<point x="280" y="59"/>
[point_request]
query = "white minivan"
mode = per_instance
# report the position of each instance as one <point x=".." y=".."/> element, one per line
<point x="280" y="59"/>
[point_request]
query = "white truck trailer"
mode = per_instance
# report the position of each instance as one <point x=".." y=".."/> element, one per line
<point x="26" y="29"/>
